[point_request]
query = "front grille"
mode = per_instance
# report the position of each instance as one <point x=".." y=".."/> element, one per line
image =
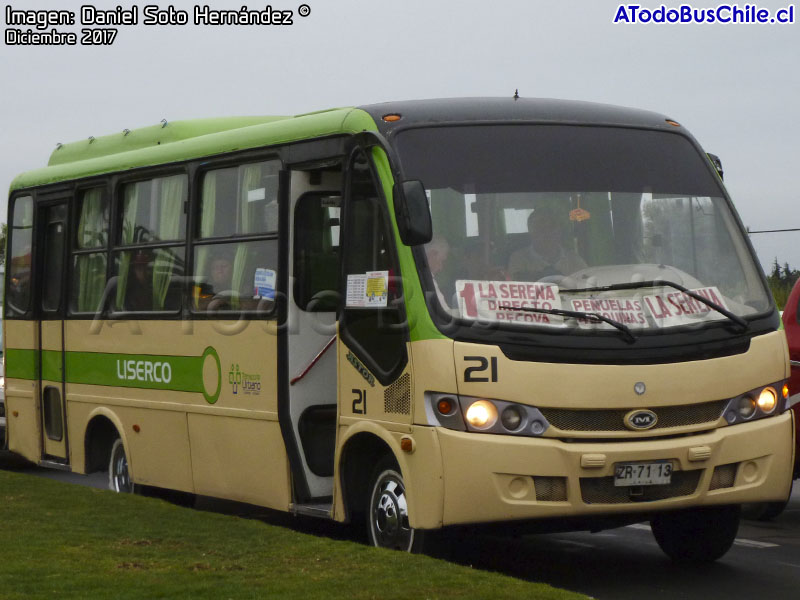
<point x="397" y="397"/>
<point x="614" y="419"/>
<point x="601" y="490"/>
<point x="550" y="489"/>
<point x="723" y="476"/>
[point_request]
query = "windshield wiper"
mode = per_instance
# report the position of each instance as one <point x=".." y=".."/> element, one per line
<point x="665" y="283"/>
<point x="591" y="316"/>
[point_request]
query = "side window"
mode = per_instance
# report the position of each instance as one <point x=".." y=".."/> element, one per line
<point x="149" y="278"/>
<point x="373" y="327"/>
<point x="90" y="255"/>
<point x="316" y="252"/>
<point x="236" y="244"/>
<point x="18" y="294"/>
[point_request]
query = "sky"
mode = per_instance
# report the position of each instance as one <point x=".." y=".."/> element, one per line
<point x="736" y="87"/>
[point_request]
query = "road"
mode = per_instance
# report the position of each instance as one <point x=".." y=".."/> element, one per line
<point x="617" y="564"/>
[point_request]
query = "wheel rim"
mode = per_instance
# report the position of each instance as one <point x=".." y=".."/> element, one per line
<point x="389" y="513"/>
<point x="120" y="476"/>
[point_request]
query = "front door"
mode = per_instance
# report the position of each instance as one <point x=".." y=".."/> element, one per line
<point x="52" y="240"/>
<point x="312" y="304"/>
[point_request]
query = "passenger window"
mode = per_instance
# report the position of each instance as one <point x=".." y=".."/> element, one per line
<point x="18" y="293"/>
<point x="148" y="278"/>
<point x="230" y="274"/>
<point x="316" y="252"/>
<point x="89" y="267"/>
<point x="240" y="200"/>
<point x="239" y="276"/>
<point x="154" y="210"/>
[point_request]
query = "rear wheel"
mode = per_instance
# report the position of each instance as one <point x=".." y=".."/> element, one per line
<point x="696" y="535"/>
<point x="387" y="511"/>
<point x="119" y="476"/>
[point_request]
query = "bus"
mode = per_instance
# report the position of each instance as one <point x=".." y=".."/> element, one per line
<point x="517" y="314"/>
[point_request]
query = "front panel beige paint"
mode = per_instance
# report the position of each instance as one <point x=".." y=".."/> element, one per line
<point x="23" y="419"/>
<point x="158" y="453"/>
<point x="240" y="459"/>
<point x="489" y="477"/>
<point x="360" y="392"/>
<point x="167" y="451"/>
<point x="611" y="386"/>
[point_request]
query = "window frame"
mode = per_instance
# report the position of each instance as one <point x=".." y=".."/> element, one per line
<point x="194" y="240"/>
<point x="30" y="310"/>
<point x="74" y="250"/>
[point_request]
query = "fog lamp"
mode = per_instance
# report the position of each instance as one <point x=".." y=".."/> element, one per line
<point x="747" y="407"/>
<point x="482" y="414"/>
<point x="511" y="418"/>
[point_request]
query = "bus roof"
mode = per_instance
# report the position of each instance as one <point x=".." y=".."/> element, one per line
<point x="538" y="110"/>
<point x="175" y="141"/>
<point x="185" y="140"/>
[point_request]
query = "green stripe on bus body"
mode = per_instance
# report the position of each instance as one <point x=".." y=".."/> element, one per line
<point x="142" y="371"/>
<point x="51" y="365"/>
<point x="22" y="364"/>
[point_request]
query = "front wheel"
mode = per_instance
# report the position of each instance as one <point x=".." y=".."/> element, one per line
<point x="387" y="517"/>
<point x="119" y="476"/>
<point x="698" y="534"/>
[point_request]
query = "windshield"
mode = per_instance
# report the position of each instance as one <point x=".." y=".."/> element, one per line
<point x="532" y="221"/>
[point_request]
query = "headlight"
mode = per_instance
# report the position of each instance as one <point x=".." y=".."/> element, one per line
<point x="482" y="414"/>
<point x="757" y="404"/>
<point x="767" y="400"/>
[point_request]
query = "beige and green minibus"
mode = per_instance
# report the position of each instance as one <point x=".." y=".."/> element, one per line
<point x="511" y="313"/>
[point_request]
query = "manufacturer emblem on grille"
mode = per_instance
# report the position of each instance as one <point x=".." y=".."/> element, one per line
<point x="640" y="388"/>
<point x="639" y="420"/>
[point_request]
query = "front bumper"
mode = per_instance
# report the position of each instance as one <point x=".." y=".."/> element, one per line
<point x="491" y="478"/>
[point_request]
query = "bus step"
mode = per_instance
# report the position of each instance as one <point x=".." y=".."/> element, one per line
<point x="51" y="464"/>
<point x="322" y="510"/>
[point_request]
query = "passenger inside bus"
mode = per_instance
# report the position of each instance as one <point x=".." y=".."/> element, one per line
<point x="437" y="252"/>
<point x="548" y="253"/>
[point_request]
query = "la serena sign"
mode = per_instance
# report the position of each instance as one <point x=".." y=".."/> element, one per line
<point x="497" y="301"/>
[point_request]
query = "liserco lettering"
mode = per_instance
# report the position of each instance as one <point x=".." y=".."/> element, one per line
<point x="144" y="370"/>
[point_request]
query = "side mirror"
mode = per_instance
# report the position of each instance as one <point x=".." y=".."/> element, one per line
<point x="717" y="163"/>
<point x="412" y="212"/>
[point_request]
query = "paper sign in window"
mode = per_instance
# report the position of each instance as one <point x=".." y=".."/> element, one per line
<point x="502" y="301"/>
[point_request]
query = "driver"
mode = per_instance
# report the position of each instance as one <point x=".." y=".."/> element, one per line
<point x="546" y="254"/>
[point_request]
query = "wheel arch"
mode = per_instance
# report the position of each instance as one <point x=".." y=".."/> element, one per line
<point x="102" y="428"/>
<point x="362" y="447"/>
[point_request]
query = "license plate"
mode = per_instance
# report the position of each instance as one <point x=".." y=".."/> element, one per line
<point x="642" y="473"/>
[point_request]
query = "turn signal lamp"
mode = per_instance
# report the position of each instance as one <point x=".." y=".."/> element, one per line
<point x="391" y="118"/>
<point x="445" y="406"/>
<point x="482" y="414"/>
<point x="767" y="400"/>
<point x="785" y="391"/>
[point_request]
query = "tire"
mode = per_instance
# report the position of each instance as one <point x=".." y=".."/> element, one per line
<point x="387" y="511"/>
<point x="119" y="476"/>
<point x="766" y="511"/>
<point x="697" y="535"/>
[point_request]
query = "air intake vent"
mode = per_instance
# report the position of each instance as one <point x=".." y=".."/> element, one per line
<point x="723" y="477"/>
<point x="397" y="397"/>
<point x="550" y="489"/>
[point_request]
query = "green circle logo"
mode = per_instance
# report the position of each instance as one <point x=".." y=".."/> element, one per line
<point x="211" y="398"/>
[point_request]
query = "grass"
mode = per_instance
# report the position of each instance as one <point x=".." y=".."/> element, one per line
<point x="66" y="541"/>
